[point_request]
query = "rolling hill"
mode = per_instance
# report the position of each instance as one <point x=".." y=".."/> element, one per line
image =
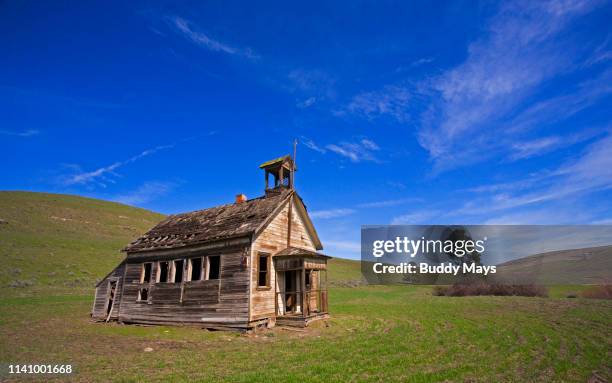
<point x="576" y="266"/>
<point x="64" y="243"/>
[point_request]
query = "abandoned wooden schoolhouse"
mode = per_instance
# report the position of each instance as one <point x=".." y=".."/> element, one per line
<point x="250" y="263"/>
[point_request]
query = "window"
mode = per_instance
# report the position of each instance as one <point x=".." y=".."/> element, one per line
<point x="163" y="272"/>
<point x="194" y="270"/>
<point x="143" y="294"/>
<point x="178" y="267"/>
<point x="145" y="275"/>
<point x="213" y="267"/>
<point x="263" y="276"/>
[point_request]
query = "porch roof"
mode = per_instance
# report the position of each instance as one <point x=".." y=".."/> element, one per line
<point x="292" y="251"/>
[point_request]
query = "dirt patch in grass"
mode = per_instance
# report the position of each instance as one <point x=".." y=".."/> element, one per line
<point x="471" y="289"/>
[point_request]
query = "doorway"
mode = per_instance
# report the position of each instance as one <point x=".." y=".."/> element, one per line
<point x="112" y="289"/>
<point x="290" y="291"/>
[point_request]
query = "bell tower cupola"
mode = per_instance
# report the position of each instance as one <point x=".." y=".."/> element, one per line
<point x="279" y="174"/>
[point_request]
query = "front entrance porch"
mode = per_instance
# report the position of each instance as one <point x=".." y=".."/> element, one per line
<point x="301" y="287"/>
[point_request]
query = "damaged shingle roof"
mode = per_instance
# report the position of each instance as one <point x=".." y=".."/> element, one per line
<point x="217" y="223"/>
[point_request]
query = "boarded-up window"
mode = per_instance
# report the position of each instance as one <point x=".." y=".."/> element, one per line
<point x="163" y="272"/>
<point x="263" y="275"/>
<point x="213" y="269"/>
<point x="195" y="269"/>
<point x="145" y="276"/>
<point x="179" y="265"/>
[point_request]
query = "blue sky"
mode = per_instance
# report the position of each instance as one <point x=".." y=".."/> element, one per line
<point x="406" y="112"/>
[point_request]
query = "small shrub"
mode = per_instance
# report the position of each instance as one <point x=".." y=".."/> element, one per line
<point x="463" y="289"/>
<point x="598" y="292"/>
<point x="572" y="295"/>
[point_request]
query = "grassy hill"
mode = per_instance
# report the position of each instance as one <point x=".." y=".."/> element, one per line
<point x="66" y="243"/>
<point x="63" y="242"/>
<point x="577" y="266"/>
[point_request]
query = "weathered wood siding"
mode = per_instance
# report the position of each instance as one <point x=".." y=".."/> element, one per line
<point x="272" y="240"/>
<point x="315" y="263"/>
<point x="222" y="301"/>
<point x="101" y="297"/>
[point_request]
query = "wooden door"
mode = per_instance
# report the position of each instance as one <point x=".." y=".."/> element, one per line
<point x="112" y="290"/>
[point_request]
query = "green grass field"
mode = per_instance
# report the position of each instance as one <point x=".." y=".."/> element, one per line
<point x="376" y="333"/>
<point x="63" y="243"/>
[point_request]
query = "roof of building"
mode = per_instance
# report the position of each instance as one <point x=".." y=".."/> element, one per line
<point x="217" y="223"/>
<point x="277" y="161"/>
<point x="299" y="252"/>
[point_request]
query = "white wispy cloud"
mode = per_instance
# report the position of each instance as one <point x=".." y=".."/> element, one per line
<point x="590" y="172"/>
<point x="523" y="47"/>
<point x="190" y="31"/>
<point x="551" y="216"/>
<point x="311" y="86"/>
<point x="477" y="109"/>
<point x="388" y="203"/>
<point x="101" y="175"/>
<point x="23" y="133"/>
<point x="360" y="150"/>
<point x="391" y="100"/>
<point x="421" y="61"/>
<point x="310" y="144"/>
<point x="602" y="53"/>
<point x="331" y="213"/>
<point x="414" y="64"/>
<point x="534" y="147"/>
<point x="312" y="80"/>
<point x="506" y="186"/>
<point x="561" y="107"/>
<point x="397" y="185"/>
<point x="539" y="146"/>
<point x="145" y="193"/>
<point x="310" y="101"/>
<point x="414" y="218"/>
<point x="343" y="212"/>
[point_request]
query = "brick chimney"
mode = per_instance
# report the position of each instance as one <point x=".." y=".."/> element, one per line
<point x="240" y="198"/>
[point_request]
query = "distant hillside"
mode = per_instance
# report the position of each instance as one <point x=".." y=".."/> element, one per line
<point x="62" y="241"/>
<point x="344" y="272"/>
<point x="66" y="243"/>
<point x="577" y="266"/>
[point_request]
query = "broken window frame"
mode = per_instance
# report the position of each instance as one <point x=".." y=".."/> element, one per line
<point x="143" y="272"/>
<point x="207" y="271"/>
<point x="189" y="276"/>
<point x="174" y="269"/>
<point x="139" y="297"/>
<point x="159" y="268"/>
